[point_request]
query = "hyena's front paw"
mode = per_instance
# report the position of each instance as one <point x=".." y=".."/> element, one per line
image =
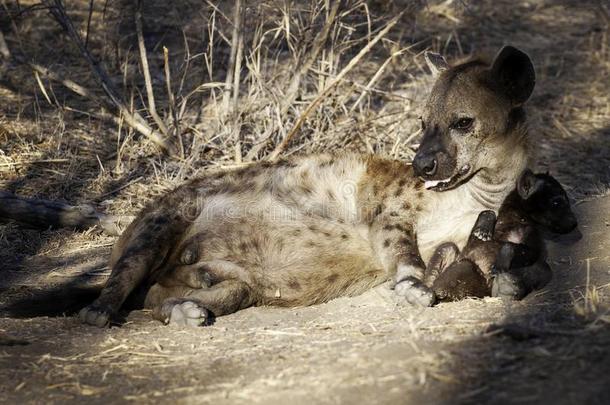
<point x="184" y="312"/>
<point x="508" y="287"/>
<point x="415" y="292"/>
<point x="95" y="315"/>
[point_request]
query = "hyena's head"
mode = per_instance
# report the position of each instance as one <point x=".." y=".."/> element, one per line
<point x="471" y="120"/>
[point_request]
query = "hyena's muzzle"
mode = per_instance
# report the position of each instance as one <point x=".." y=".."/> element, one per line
<point x="436" y="160"/>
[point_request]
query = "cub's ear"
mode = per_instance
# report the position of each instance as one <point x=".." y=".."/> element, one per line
<point x="528" y="184"/>
<point x="513" y="73"/>
<point x="436" y="63"/>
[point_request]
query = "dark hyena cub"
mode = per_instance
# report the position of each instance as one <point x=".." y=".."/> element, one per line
<point x="512" y="262"/>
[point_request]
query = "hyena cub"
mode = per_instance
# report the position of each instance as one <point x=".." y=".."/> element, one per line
<point x="508" y="261"/>
<point x="309" y="229"/>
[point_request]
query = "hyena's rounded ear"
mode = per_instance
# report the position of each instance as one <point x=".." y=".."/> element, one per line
<point x="513" y="73"/>
<point x="528" y="184"/>
<point x="436" y="63"/>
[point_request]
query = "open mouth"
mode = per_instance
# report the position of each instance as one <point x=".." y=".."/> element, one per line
<point x="449" y="183"/>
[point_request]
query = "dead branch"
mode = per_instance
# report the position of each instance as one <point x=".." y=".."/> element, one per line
<point x="172" y="100"/>
<point x="282" y="146"/>
<point x="150" y="95"/>
<point x="133" y="119"/>
<point x="236" y="78"/>
<point x="376" y="76"/>
<point x="45" y="72"/>
<point x="233" y="55"/>
<point x="44" y="214"/>
<point x="80" y="90"/>
<point x="49" y="74"/>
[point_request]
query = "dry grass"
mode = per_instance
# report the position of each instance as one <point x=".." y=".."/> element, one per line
<point x="590" y="304"/>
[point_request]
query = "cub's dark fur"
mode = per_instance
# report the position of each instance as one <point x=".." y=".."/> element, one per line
<point x="514" y="251"/>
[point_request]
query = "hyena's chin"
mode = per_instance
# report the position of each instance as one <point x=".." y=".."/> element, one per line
<point x="463" y="175"/>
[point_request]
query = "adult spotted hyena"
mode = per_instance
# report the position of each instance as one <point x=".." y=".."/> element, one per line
<point x="309" y="229"/>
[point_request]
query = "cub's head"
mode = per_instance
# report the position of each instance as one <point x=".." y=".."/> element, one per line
<point x="469" y="122"/>
<point x="546" y="202"/>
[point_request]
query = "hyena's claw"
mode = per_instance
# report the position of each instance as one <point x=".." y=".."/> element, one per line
<point x="415" y="292"/>
<point x="185" y="313"/>
<point x="96" y="316"/>
<point x="508" y="287"/>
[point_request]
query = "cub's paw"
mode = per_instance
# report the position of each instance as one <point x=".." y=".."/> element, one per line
<point x="482" y="234"/>
<point x="95" y="315"/>
<point x="184" y="313"/>
<point x="484" y="226"/>
<point x="415" y="292"/>
<point x="508" y="287"/>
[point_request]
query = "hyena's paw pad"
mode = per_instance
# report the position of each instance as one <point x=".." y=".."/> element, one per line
<point x="508" y="287"/>
<point x="94" y="315"/>
<point x="186" y="313"/>
<point x="415" y="292"/>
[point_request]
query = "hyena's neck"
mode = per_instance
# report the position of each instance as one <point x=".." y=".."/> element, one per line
<point x="450" y="215"/>
<point x="494" y="182"/>
<point x="489" y="193"/>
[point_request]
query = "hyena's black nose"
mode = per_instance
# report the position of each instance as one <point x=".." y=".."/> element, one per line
<point x="425" y="165"/>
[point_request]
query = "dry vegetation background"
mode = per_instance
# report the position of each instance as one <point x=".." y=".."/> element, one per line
<point x="239" y="81"/>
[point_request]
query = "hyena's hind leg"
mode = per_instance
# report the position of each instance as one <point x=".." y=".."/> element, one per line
<point x="141" y="253"/>
<point x="223" y="288"/>
<point x="443" y="256"/>
<point x="193" y="309"/>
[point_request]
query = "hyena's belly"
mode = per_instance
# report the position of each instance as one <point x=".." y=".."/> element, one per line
<point x="291" y="257"/>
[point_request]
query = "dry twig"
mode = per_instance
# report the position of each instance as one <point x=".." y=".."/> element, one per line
<point x="150" y="95"/>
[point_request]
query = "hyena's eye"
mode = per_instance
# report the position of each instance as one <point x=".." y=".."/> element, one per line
<point x="463" y="124"/>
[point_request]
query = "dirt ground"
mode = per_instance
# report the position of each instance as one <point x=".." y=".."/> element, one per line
<point x="554" y="346"/>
